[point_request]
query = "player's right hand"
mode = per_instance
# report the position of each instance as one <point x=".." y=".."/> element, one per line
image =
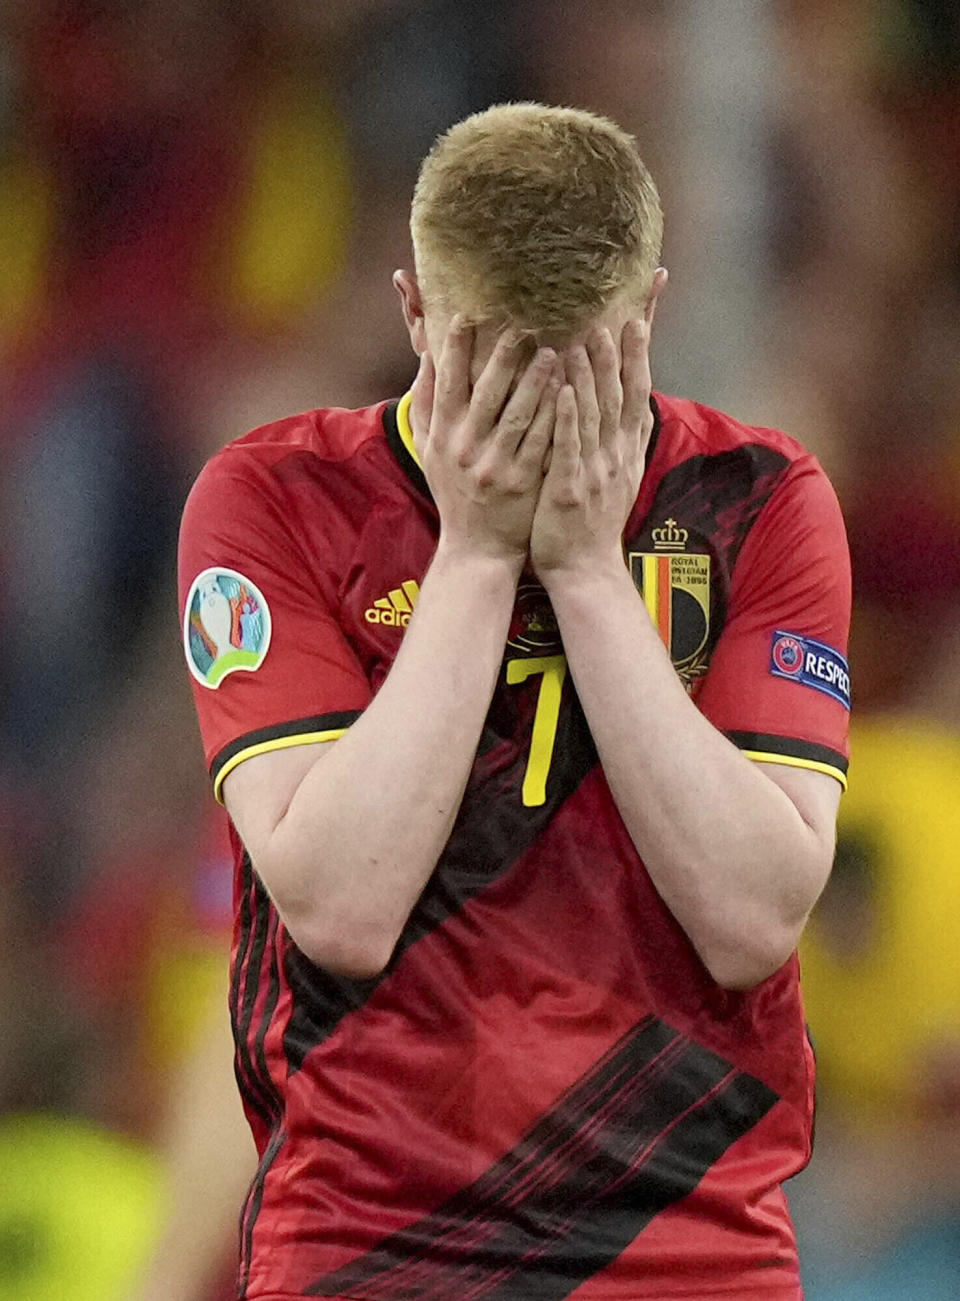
<point x="484" y="452"/>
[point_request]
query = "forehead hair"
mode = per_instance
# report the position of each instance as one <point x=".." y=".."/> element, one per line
<point x="540" y="216"/>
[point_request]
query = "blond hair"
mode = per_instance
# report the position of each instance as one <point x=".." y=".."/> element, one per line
<point x="538" y="216"/>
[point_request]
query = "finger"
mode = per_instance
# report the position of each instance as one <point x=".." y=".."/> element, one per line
<point x="534" y="451"/>
<point x="580" y="375"/>
<point x="606" y="377"/>
<point x="452" y="389"/>
<point x="421" y="406"/>
<point x="566" y="448"/>
<point x="493" y="385"/>
<point x="635" y="376"/>
<point x="522" y="406"/>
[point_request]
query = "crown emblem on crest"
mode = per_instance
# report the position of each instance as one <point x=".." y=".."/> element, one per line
<point x="669" y="537"/>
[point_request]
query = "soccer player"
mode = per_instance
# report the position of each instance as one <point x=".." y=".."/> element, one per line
<point x="527" y="699"/>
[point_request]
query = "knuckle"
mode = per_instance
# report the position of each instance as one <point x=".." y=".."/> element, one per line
<point x="513" y="423"/>
<point x="531" y="455"/>
<point x="482" y="404"/>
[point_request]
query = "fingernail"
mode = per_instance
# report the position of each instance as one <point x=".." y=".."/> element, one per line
<point x="546" y="356"/>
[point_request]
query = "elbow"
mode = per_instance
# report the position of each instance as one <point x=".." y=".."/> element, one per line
<point x="332" y="928"/>
<point x="343" y="948"/>
<point x="742" y="963"/>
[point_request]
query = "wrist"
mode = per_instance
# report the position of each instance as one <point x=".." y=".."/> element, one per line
<point x="586" y="571"/>
<point x="493" y="565"/>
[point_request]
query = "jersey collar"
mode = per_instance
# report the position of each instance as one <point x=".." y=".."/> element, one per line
<point x="399" y="431"/>
<point x="654" y="436"/>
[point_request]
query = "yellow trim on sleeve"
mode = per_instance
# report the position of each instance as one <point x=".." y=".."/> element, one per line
<point x="405" y="428"/>
<point x="762" y="756"/>
<point x="265" y="747"/>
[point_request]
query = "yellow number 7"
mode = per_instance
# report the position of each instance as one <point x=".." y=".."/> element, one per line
<point x="554" y="670"/>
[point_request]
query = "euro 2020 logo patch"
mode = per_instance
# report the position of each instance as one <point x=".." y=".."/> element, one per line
<point x="226" y="626"/>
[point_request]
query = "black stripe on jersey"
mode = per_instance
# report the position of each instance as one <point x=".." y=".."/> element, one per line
<point x="256" y="1082"/>
<point x="269" y="1007"/>
<point x="258" y="1090"/>
<point x="654" y="434"/>
<point x="789" y="748"/>
<point x="251" y="1210"/>
<point x="718" y="496"/>
<point x="296" y="727"/>
<point x="493" y="830"/>
<point x="406" y="462"/>
<point x="243" y="1065"/>
<point x="634" y="1135"/>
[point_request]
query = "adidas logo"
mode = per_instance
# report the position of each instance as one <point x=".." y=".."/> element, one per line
<point x="396" y="607"/>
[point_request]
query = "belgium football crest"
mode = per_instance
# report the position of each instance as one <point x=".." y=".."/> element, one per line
<point x="533" y="628"/>
<point x="675" y="585"/>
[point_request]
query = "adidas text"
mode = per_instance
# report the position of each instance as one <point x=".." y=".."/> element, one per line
<point x="393" y="618"/>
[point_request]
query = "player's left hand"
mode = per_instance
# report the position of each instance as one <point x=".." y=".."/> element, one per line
<point x="603" y="425"/>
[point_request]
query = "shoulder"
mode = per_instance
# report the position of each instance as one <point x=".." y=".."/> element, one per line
<point x="326" y="436"/>
<point x="732" y="466"/>
<point x="690" y="428"/>
<point x="299" y="482"/>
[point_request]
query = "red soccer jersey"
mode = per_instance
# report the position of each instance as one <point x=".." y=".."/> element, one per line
<point x="544" y="1095"/>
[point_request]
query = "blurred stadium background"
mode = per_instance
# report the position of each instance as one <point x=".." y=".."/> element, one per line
<point x="201" y="202"/>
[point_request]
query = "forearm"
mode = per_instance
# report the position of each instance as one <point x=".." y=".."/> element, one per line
<point x="369" y="820"/>
<point x="728" y="851"/>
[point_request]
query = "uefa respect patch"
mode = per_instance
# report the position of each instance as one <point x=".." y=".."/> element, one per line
<point x="812" y="664"/>
<point x="226" y="626"/>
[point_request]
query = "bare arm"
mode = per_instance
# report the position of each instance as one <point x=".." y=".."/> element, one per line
<point x="739" y="855"/>
<point x="346" y="836"/>
<point x="368" y="816"/>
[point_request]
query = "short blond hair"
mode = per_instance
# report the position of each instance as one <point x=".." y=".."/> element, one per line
<point x="538" y="216"/>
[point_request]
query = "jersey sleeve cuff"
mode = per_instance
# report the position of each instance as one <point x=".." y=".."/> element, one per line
<point x="762" y="747"/>
<point x="300" y="731"/>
